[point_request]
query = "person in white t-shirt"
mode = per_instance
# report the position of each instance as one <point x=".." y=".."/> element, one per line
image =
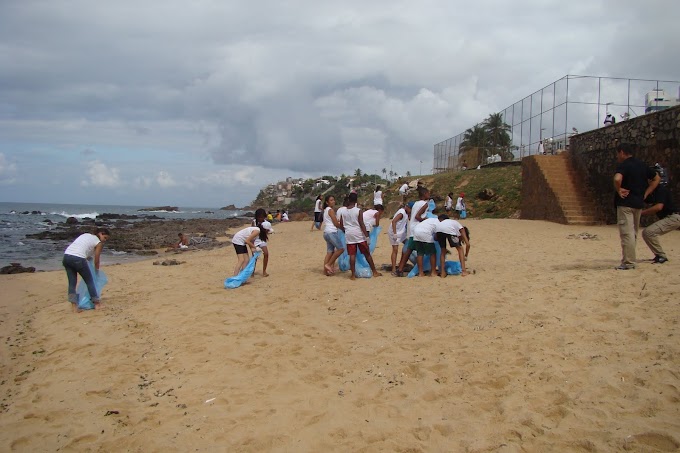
<point x="377" y="196"/>
<point x="259" y="221"/>
<point x="318" y="214"/>
<point x="243" y="240"/>
<point x="423" y="240"/>
<point x="372" y="217"/>
<point x="396" y="232"/>
<point x="352" y="222"/>
<point x="331" y="226"/>
<point x="449" y="202"/>
<point x="418" y="214"/>
<point x="76" y="256"/>
<point x="452" y="231"/>
<point x="403" y="191"/>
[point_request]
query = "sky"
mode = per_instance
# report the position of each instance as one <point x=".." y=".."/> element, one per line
<point x="202" y="103"/>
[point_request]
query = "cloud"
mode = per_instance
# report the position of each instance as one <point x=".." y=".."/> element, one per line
<point x="164" y="180"/>
<point x="100" y="175"/>
<point x="8" y="170"/>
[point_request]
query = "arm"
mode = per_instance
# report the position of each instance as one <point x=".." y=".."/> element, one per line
<point x="396" y="220"/>
<point x="652" y="185"/>
<point x="463" y="235"/>
<point x="97" y="253"/>
<point x="653" y="209"/>
<point x="250" y="242"/>
<point x="623" y="193"/>
<point x="421" y="212"/>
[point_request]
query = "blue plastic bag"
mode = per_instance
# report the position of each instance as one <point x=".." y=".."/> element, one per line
<point x="426" y="261"/>
<point x="463" y="214"/>
<point x="361" y="268"/>
<point x="100" y="279"/>
<point x="244" y="275"/>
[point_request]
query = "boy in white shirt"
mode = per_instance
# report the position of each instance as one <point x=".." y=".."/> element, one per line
<point x="452" y="231"/>
<point x="352" y="222"/>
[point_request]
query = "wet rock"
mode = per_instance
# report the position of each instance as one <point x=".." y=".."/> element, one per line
<point x="72" y="221"/>
<point x="16" y="268"/>
<point x="231" y="207"/>
<point x="160" y="208"/>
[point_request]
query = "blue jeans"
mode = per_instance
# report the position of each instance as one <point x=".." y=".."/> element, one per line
<point x="75" y="265"/>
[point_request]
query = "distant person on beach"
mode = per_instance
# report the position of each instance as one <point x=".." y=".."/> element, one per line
<point x="372" y="217"/>
<point x="449" y="202"/>
<point x="318" y="214"/>
<point x="451" y="231"/>
<point x="260" y="220"/>
<point x="668" y="213"/>
<point x="460" y="206"/>
<point x="633" y="182"/>
<point x="418" y="214"/>
<point x="183" y="241"/>
<point x="76" y="256"/>
<point x="403" y="191"/>
<point x="334" y="245"/>
<point x="377" y="196"/>
<point x="396" y="233"/>
<point x="284" y="217"/>
<point x="541" y="150"/>
<point x="278" y="215"/>
<point x="352" y="222"/>
<point x="244" y="240"/>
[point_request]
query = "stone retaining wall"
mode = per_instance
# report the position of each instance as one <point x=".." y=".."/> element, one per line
<point x="593" y="154"/>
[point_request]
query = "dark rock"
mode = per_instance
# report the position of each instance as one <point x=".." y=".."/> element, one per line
<point x="249" y="214"/>
<point x="16" y="268"/>
<point x="146" y="252"/>
<point x="160" y="208"/>
<point x="209" y="212"/>
<point x="231" y="207"/>
<point x="109" y="216"/>
<point x="48" y="221"/>
<point x="486" y="194"/>
<point x="72" y="221"/>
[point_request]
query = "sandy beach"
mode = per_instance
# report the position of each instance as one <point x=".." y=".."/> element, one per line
<point x="545" y="348"/>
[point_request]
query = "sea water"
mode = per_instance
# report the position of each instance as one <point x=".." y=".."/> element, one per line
<point x="19" y="219"/>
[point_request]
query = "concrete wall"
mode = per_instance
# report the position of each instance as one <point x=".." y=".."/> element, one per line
<point x="593" y="154"/>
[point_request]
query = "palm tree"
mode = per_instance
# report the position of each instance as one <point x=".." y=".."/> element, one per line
<point x="408" y="174"/>
<point x="476" y="137"/>
<point x="384" y="172"/>
<point x="357" y="172"/>
<point x="498" y="133"/>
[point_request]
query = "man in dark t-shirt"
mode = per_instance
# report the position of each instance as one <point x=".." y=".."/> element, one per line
<point x="669" y="220"/>
<point x="633" y="182"/>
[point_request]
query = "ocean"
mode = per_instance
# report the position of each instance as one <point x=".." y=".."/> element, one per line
<point x="19" y="219"/>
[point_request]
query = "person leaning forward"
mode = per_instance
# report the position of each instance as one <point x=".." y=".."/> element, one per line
<point x="633" y="182"/>
<point x="661" y="204"/>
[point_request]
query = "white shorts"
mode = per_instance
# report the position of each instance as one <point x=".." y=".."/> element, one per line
<point x="395" y="240"/>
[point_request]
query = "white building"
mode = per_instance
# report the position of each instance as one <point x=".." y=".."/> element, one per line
<point x="657" y="100"/>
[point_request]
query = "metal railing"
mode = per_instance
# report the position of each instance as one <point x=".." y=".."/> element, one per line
<point x="551" y="115"/>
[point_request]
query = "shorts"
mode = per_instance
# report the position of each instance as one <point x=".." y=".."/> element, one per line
<point x="318" y="217"/>
<point x="362" y="246"/>
<point x="425" y="248"/>
<point x="240" y="249"/>
<point x="333" y="241"/>
<point x="454" y="241"/>
<point x="395" y="240"/>
<point x="410" y="244"/>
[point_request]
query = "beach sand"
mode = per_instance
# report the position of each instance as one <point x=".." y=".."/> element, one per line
<point x="545" y="348"/>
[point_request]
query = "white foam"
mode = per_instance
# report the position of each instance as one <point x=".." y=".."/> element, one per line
<point x="91" y="215"/>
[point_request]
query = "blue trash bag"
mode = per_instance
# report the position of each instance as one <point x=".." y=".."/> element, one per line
<point x="453" y="268"/>
<point x="343" y="260"/>
<point x="463" y="214"/>
<point x="100" y="279"/>
<point x="244" y="275"/>
<point x="361" y="268"/>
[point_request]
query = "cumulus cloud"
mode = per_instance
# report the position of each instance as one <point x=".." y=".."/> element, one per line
<point x="100" y="175"/>
<point x="165" y="180"/>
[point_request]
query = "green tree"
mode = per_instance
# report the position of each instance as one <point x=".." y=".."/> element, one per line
<point x="357" y="172"/>
<point x="408" y="174"/>
<point x="498" y="135"/>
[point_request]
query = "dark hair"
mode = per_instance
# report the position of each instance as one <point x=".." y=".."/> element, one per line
<point x="443" y="217"/>
<point x="325" y="201"/>
<point x="377" y="188"/>
<point x="345" y="201"/>
<point x="103" y="231"/>
<point x="626" y="148"/>
<point x="422" y="190"/>
<point x="378" y="207"/>
<point x="263" y="233"/>
<point x="450" y="194"/>
<point x="318" y="197"/>
<point x="467" y="232"/>
<point x="260" y="212"/>
<point x="352" y="198"/>
<point x="180" y="234"/>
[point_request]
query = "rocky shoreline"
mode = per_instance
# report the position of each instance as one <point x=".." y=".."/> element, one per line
<point x="143" y="236"/>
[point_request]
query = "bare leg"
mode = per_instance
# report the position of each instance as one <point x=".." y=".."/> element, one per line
<point x="442" y="264"/>
<point x="395" y="250"/>
<point x="461" y="257"/>
<point x="419" y="262"/>
<point x="369" y="258"/>
<point x="330" y="266"/>
<point x="404" y="257"/>
<point x="240" y="264"/>
<point x="433" y="265"/>
<point x="265" y="260"/>
<point x="352" y="262"/>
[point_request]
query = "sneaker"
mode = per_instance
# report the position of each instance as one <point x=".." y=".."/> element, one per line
<point x="659" y="260"/>
<point x="624" y="267"/>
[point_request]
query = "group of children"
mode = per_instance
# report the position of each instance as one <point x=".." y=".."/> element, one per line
<point x="348" y="228"/>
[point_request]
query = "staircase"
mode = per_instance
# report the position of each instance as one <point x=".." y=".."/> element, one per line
<point x="571" y="195"/>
